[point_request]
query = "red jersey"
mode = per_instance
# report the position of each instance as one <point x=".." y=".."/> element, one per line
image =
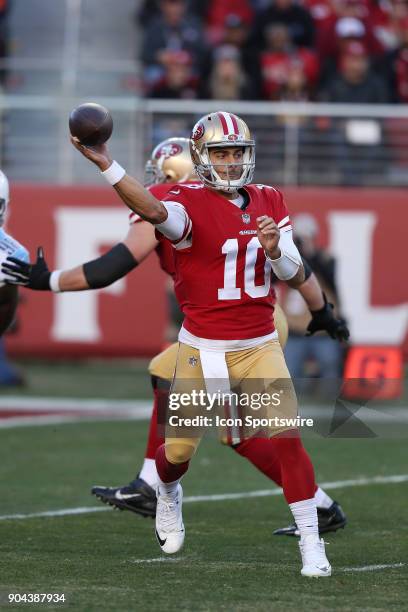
<point x="164" y="250"/>
<point x="223" y="280"/>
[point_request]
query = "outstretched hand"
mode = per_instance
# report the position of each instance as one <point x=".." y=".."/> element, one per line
<point x="98" y="154"/>
<point x="34" y="276"/>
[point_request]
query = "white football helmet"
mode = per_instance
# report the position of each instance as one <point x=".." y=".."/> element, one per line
<point x="221" y="130"/>
<point x="170" y="162"/>
<point x="4" y="196"/>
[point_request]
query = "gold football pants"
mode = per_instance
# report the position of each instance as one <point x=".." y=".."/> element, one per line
<point x="265" y="362"/>
<point x="164" y="364"/>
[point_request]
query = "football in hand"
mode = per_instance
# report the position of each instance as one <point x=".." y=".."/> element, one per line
<point x="91" y="123"/>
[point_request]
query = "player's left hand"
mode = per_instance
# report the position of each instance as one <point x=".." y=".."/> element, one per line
<point x="268" y="235"/>
<point x="324" y="320"/>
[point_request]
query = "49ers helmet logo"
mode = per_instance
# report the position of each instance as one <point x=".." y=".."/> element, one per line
<point x="169" y="150"/>
<point x="198" y="132"/>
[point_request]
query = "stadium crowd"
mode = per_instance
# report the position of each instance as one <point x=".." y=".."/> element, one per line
<point x="324" y="50"/>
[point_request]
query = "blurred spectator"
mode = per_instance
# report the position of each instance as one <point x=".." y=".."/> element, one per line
<point x="295" y="88"/>
<point x="297" y="18"/>
<point x="354" y="83"/>
<point x="150" y="9"/>
<point x="172" y="30"/>
<point x="178" y="80"/>
<point x="358" y="143"/>
<point x="335" y="42"/>
<point x="338" y="37"/>
<point x="396" y="66"/>
<point x="235" y="34"/>
<point x="324" y="16"/>
<point x="280" y="58"/>
<point x="219" y="11"/>
<point x="386" y="16"/>
<point x="227" y="80"/>
<point x="322" y="354"/>
<point x="235" y="31"/>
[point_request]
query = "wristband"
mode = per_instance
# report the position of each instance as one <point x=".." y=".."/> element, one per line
<point x="285" y="267"/>
<point x="114" y="173"/>
<point x="54" y="281"/>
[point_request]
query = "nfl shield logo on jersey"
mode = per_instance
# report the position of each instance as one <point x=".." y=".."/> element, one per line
<point x="193" y="361"/>
<point x="246" y="218"/>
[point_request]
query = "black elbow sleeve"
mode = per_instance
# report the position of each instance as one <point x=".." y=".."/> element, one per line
<point x="308" y="269"/>
<point x="110" y="267"/>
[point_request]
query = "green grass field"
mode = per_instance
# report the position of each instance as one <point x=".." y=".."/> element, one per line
<point x="231" y="561"/>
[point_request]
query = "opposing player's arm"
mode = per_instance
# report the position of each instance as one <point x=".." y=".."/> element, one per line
<point x="113" y="265"/>
<point x="100" y="272"/>
<point x="8" y="306"/>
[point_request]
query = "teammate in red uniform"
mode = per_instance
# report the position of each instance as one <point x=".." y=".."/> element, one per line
<point x="228" y="236"/>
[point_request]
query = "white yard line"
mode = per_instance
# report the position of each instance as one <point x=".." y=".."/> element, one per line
<point x="339" y="484"/>
<point x="77" y="409"/>
<point x="156" y="560"/>
<point x="373" y="568"/>
<point x="37" y="421"/>
<point x="63" y="403"/>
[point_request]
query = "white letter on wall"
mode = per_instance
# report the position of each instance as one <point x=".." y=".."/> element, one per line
<point x="352" y="246"/>
<point x="80" y="232"/>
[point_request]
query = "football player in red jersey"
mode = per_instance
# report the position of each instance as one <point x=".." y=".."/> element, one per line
<point x="170" y="163"/>
<point x="228" y="235"/>
<point x="63" y="277"/>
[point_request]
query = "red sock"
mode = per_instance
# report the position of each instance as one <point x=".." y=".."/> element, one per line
<point x="169" y="472"/>
<point x="262" y="454"/>
<point x="154" y="440"/>
<point x="297" y="472"/>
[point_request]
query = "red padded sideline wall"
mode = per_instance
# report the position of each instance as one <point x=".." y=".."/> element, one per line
<point x="365" y="229"/>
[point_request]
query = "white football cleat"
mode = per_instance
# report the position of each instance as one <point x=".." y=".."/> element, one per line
<point x="169" y="521"/>
<point x="314" y="560"/>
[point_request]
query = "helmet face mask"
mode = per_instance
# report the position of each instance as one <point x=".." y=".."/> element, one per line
<point x="151" y="174"/>
<point x="170" y="162"/>
<point x="222" y="131"/>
